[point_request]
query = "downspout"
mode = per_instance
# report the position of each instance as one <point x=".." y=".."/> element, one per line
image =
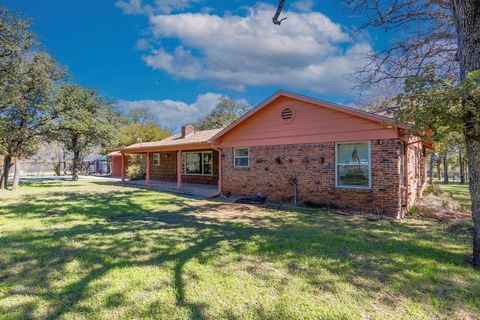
<point x="219" y="192"/>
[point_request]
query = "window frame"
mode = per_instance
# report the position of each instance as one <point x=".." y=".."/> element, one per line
<point x="241" y="157"/>
<point x="153" y="159"/>
<point x="184" y="164"/>
<point x="369" y="166"/>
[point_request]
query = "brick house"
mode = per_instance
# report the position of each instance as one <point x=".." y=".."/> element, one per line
<point x="292" y="148"/>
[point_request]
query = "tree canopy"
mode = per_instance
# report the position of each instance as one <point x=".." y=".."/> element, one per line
<point x="226" y="111"/>
<point x="28" y="82"/>
<point x="141" y="127"/>
<point x="90" y="122"/>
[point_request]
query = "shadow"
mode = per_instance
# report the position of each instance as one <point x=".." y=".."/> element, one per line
<point x="132" y="228"/>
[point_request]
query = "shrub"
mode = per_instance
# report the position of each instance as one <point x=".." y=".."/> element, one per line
<point x="414" y="211"/>
<point x="136" y="167"/>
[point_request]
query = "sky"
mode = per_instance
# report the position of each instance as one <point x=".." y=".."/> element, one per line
<point x="177" y="57"/>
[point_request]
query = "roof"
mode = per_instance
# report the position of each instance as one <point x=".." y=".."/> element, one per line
<point x="319" y="102"/>
<point x="197" y="138"/>
<point x="201" y="138"/>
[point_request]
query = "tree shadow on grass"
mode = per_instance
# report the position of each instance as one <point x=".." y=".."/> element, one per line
<point x="369" y="256"/>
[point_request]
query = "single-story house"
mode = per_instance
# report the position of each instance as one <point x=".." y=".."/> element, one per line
<point x="295" y="148"/>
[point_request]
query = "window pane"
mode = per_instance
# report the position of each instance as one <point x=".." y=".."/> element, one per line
<point x="193" y="163"/>
<point x="207" y="163"/>
<point x="353" y="153"/>
<point x="241" y="162"/>
<point x="352" y="175"/>
<point x="207" y="157"/>
<point x="156" y="159"/>
<point x="241" y="152"/>
<point x="207" y="169"/>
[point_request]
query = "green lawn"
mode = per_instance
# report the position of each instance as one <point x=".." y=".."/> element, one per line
<point x="89" y="250"/>
<point x="458" y="192"/>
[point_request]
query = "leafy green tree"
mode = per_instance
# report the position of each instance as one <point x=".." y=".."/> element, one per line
<point x="226" y="111"/>
<point x="28" y="82"/>
<point x="141" y="127"/>
<point x="90" y="122"/>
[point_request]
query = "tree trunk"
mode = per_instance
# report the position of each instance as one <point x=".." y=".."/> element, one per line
<point x="466" y="14"/>
<point x="445" y="168"/>
<point x="75" y="165"/>
<point x="462" y="166"/>
<point x="7" y="163"/>
<point x="467" y="180"/>
<point x="473" y="157"/>
<point x="16" y="175"/>
<point x="439" y="176"/>
<point x="432" y="158"/>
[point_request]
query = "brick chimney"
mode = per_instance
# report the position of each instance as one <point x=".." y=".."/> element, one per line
<point x="187" y="130"/>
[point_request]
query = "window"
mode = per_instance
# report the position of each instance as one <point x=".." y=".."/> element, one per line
<point x="240" y="157"/>
<point x="156" y="159"/>
<point x="353" y="164"/>
<point x="197" y="163"/>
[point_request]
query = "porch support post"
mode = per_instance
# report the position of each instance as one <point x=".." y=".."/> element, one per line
<point x="179" y="169"/>
<point x="147" y="169"/>
<point x="123" y="167"/>
<point x="219" y="171"/>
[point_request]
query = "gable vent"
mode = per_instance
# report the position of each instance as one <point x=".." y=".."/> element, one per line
<point x="287" y="114"/>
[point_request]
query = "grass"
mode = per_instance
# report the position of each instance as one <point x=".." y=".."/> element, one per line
<point x="458" y="192"/>
<point x="90" y="250"/>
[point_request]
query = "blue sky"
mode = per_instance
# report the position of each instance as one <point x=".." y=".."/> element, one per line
<point x="177" y="57"/>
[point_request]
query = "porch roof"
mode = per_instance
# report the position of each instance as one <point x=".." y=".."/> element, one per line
<point x="196" y="140"/>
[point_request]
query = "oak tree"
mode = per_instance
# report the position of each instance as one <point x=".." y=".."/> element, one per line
<point x="440" y="33"/>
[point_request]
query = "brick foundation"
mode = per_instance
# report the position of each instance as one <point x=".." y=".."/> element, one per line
<point x="313" y="165"/>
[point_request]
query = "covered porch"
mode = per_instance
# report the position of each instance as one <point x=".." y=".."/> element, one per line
<point x="187" y="161"/>
<point x="190" y="189"/>
<point x="189" y="171"/>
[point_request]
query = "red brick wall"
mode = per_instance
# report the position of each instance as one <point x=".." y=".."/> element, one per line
<point x="316" y="180"/>
<point x="167" y="171"/>
<point x="417" y="172"/>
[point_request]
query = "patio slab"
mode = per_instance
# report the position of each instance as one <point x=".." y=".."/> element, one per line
<point x="190" y="189"/>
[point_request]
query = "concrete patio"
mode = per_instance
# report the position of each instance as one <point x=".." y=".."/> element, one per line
<point x="190" y="189"/>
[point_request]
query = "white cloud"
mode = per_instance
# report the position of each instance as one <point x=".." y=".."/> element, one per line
<point x="130" y="6"/>
<point x="153" y="7"/>
<point x="173" y="113"/>
<point x="303" y="5"/>
<point x="307" y="51"/>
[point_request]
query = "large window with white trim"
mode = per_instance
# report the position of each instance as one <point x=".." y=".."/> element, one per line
<point x="352" y="165"/>
<point x="197" y="163"/>
<point x="240" y="158"/>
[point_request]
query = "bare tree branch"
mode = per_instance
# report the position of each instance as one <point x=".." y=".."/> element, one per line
<point x="275" y="20"/>
<point x="424" y="35"/>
